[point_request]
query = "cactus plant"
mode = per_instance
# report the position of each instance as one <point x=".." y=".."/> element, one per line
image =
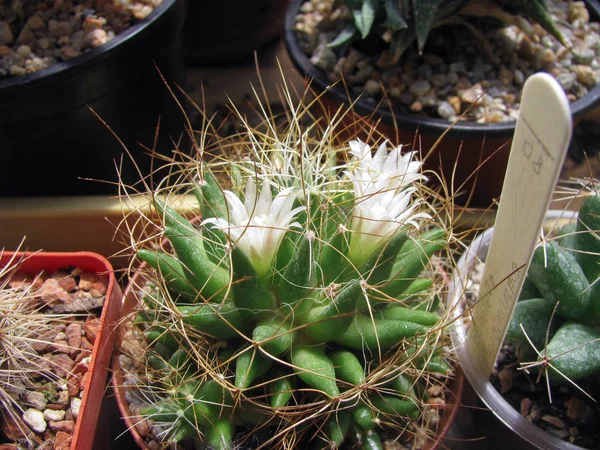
<point x="301" y="307"/>
<point x="403" y="22"/>
<point x="564" y="274"/>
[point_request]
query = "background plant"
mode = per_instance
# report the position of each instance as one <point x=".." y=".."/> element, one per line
<point x="557" y="318"/>
<point x="402" y="22"/>
<point x="301" y="305"/>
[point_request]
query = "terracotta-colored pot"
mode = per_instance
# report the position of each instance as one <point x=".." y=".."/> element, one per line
<point x="93" y="391"/>
<point x="453" y="399"/>
<point x="471" y="157"/>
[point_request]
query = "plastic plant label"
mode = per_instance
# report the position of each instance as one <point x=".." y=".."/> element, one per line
<point x="537" y="153"/>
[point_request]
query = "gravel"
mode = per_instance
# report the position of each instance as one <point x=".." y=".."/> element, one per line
<point x="451" y="68"/>
<point x="571" y="415"/>
<point x="36" y="34"/>
<point x="51" y="405"/>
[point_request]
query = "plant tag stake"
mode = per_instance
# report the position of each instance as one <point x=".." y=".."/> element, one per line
<point x="537" y="153"/>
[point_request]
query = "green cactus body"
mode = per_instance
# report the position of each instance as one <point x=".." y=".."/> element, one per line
<point x="372" y="334"/>
<point x="285" y="313"/>
<point x="314" y="368"/>
<point x="559" y="278"/>
<point x="574" y="352"/>
<point x="562" y="271"/>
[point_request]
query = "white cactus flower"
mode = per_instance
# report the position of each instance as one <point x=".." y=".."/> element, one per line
<point x="391" y="170"/>
<point x="258" y="224"/>
<point x="383" y="193"/>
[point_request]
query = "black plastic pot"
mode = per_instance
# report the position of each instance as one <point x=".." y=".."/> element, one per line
<point x="49" y="137"/>
<point x="229" y="31"/>
<point x="465" y="146"/>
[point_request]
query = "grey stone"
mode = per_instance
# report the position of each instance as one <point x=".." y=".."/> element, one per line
<point x="420" y="88"/>
<point x="445" y="110"/>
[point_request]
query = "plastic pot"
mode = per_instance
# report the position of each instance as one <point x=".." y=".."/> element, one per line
<point x="470" y="153"/>
<point x="132" y="299"/>
<point x="49" y="137"/>
<point x="230" y="31"/>
<point x="488" y="394"/>
<point x="93" y="392"/>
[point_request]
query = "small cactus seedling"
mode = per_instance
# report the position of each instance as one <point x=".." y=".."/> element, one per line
<point x="301" y="307"/>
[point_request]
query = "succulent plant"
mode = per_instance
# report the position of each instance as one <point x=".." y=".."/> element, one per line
<point x="402" y="22"/>
<point x="557" y="318"/>
<point x="302" y="304"/>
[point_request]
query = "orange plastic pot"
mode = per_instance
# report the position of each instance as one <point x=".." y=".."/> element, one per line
<point x="451" y="408"/>
<point x="93" y="392"/>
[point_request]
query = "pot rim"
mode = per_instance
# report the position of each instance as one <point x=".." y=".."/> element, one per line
<point x="482" y="386"/>
<point x="89" y="58"/>
<point x="428" y="125"/>
<point x="455" y="385"/>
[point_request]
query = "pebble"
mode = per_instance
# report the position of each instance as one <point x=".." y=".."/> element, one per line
<point x="466" y="75"/>
<point x="585" y="75"/>
<point x="446" y="110"/>
<point x="54" y="415"/>
<point x="6" y="34"/>
<point x="472" y="95"/>
<point x="372" y="87"/>
<point x="60" y="30"/>
<point x="420" y="88"/>
<point x="75" y="406"/>
<point x="554" y="421"/>
<point x="35" y="399"/>
<point x="416" y="107"/>
<point x="35" y="420"/>
<point x="526" y="405"/>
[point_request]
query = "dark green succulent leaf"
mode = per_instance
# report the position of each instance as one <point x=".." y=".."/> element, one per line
<point x="365" y="16"/>
<point x="425" y="12"/>
<point x="401" y="41"/>
<point x="346" y="35"/>
<point x="536" y="11"/>
<point x="394" y="19"/>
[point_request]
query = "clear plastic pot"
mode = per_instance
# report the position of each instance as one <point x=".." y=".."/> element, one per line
<point x="488" y="394"/>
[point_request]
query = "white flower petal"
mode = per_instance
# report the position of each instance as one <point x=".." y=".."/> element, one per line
<point x="249" y="195"/>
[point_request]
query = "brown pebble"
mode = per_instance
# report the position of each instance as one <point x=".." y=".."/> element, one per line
<point x="579" y="411"/>
<point x="62" y="441"/>
<point x="536" y="414"/>
<point x="85" y="380"/>
<point x="51" y="292"/>
<point x="86" y="280"/>
<point x="65" y="281"/>
<point x="141" y="425"/>
<point x="74" y="385"/>
<point x="73" y="332"/>
<point x="526" y="404"/>
<point x="91" y="328"/>
<point x="554" y="421"/>
<point x="62" y="425"/>
<point x="506" y="380"/>
<point x="416" y="107"/>
<point x="55" y="406"/>
<point x="455" y="103"/>
<point x="101" y="285"/>
<point x="60" y="363"/>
